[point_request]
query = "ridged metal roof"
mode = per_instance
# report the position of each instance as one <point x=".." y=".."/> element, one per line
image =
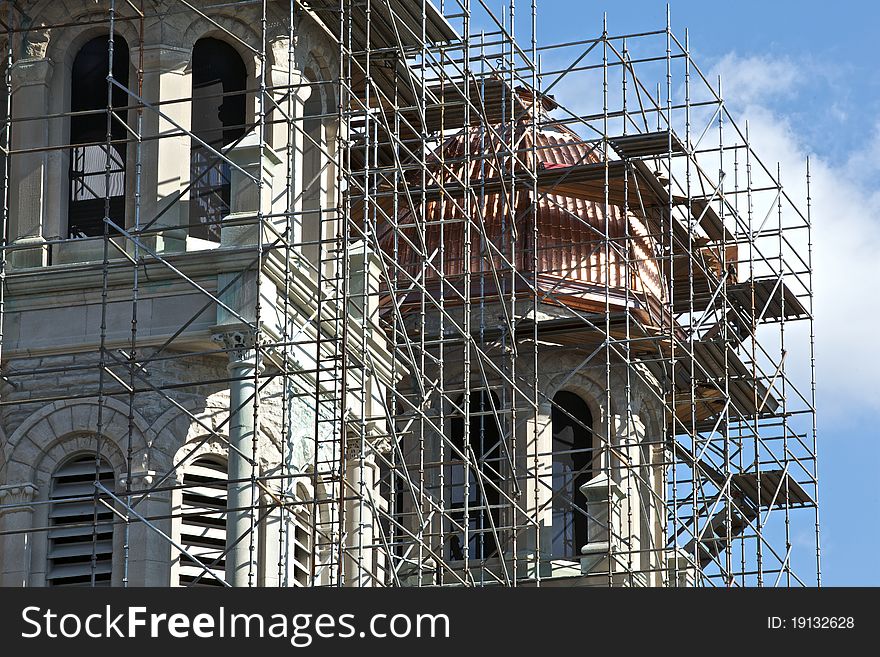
<point x="486" y="174"/>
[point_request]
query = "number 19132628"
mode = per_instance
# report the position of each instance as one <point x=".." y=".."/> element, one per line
<point x="811" y="623"/>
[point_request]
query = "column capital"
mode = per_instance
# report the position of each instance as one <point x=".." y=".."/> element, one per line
<point x="32" y="71"/>
<point x="163" y="58"/>
<point x="280" y="72"/>
<point x="374" y="442"/>
<point x="281" y="76"/>
<point x="140" y="480"/>
<point x="17" y="494"/>
<point x="240" y="345"/>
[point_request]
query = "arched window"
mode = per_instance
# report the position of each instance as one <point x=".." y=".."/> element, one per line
<point x="572" y="467"/>
<point x="219" y="80"/>
<point x="97" y="172"/>
<point x="478" y="486"/>
<point x="80" y="539"/>
<point x="203" y="521"/>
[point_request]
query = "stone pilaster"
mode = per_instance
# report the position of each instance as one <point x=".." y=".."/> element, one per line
<point x="604" y="498"/>
<point x="29" y="170"/>
<point x="251" y="191"/>
<point x="16" y="515"/>
<point x="149" y="553"/>
<point x="286" y="137"/>
<point x="168" y="86"/>
<point x="538" y="441"/>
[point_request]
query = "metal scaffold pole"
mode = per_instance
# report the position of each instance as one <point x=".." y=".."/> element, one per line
<point x="390" y="294"/>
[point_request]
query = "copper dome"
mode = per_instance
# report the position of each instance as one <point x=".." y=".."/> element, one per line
<point x="486" y="173"/>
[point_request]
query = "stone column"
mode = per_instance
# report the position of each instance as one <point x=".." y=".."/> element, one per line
<point x="364" y="274"/>
<point x="680" y="571"/>
<point x="16" y="514"/>
<point x="149" y="562"/>
<point x="658" y="520"/>
<point x="362" y="493"/>
<point x="28" y="171"/>
<point x="534" y="439"/>
<point x="244" y="366"/>
<point x="165" y="150"/>
<point x="629" y="436"/>
<point x="272" y="551"/>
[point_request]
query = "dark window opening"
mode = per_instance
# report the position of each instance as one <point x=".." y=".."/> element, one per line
<point x="572" y="467"/>
<point x="476" y="487"/>
<point x="312" y="177"/>
<point x="219" y="80"/>
<point x="97" y="169"/>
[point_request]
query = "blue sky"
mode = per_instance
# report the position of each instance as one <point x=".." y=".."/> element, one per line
<point x="805" y="76"/>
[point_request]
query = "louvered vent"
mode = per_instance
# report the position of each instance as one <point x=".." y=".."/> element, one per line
<point x="302" y="555"/>
<point x="81" y="534"/>
<point x="203" y="522"/>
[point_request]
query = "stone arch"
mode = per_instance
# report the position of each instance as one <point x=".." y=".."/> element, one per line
<point x="314" y="49"/>
<point x="318" y="72"/>
<point x="204" y="445"/>
<point x="78" y="444"/>
<point x="585" y="387"/>
<point x="177" y="428"/>
<point x="203" y="422"/>
<point x="62" y="49"/>
<point x="219" y="27"/>
<point x="65" y="447"/>
<point x="42" y="439"/>
<point x="44" y="13"/>
<point x="307" y="490"/>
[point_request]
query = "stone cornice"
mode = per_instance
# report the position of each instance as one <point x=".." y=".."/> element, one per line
<point x="86" y="276"/>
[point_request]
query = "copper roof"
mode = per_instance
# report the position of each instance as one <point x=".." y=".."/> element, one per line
<point x="485" y="173"/>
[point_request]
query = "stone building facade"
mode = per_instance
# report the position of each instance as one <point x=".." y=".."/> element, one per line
<point x="64" y="358"/>
<point x="135" y="361"/>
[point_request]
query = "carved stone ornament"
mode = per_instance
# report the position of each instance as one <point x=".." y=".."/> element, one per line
<point x="14" y="494"/>
<point x="240" y="345"/>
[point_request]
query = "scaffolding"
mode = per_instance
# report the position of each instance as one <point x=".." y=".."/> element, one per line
<point x="421" y="235"/>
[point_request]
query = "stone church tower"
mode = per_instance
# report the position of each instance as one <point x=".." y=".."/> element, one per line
<point x="145" y="292"/>
<point x="308" y="294"/>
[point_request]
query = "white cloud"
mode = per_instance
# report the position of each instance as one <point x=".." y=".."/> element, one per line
<point x="757" y="79"/>
<point x="846" y="232"/>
